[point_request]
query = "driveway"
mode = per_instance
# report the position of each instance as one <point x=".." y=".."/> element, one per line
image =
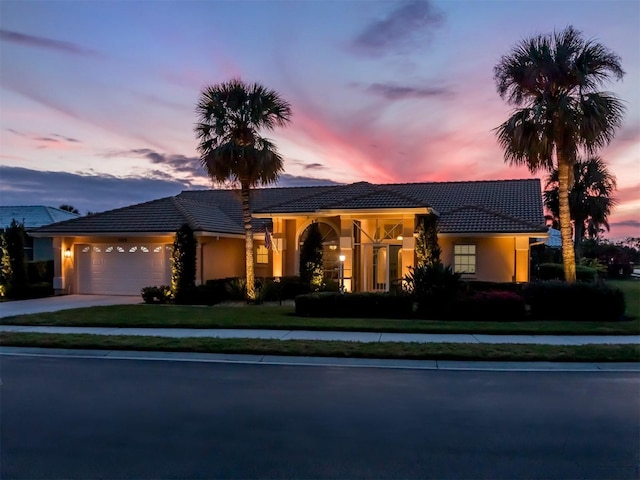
<point x="63" y="302"/>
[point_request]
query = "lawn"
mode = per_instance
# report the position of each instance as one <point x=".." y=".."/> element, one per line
<point x="282" y="317"/>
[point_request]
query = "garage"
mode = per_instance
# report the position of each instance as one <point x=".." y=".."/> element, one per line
<point x="122" y="268"/>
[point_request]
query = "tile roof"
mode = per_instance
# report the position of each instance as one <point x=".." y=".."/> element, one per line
<point x="32" y="216"/>
<point x="498" y="206"/>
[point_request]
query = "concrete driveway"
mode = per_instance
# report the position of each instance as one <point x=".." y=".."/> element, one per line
<point x="63" y="302"/>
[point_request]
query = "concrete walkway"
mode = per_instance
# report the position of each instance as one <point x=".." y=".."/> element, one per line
<point x="367" y="337"/>
<point x="63" y="302"/>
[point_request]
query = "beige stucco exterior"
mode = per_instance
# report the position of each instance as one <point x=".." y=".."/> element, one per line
<point x="378" y="249"/>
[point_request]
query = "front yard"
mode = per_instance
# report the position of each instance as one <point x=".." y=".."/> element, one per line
<point x="282" y="317"/>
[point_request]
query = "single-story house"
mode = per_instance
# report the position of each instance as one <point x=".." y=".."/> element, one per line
<point x="32" y="217"/>
<point x="485" y="229"/>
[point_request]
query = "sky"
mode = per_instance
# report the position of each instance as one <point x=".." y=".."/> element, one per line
<point x="97" y="98"/>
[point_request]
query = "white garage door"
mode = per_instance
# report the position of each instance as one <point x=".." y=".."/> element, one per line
<point x="122" y="269"/>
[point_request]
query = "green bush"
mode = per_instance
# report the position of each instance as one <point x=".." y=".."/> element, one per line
<point x="31" y="290"/>
<point x="490" y="305"/>
<point x="580" y="301"/>
<point x="555" y="271"/>
<point x="183" y="263"/>
<point x="434" y="287"/>
<point x="161" y="294"/>
<point x="354" y="305"/>
<point x="40" y="271"/>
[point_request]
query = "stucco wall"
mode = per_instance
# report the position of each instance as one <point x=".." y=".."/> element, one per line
<point x="223" y="258"/>
<point x="495" y="257"/>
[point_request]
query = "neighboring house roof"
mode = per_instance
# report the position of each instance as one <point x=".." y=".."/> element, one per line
<point x="33" y="216"/>
<point x="499" y="206"/>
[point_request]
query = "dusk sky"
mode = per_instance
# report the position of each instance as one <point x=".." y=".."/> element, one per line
<point x="98" y="97"/>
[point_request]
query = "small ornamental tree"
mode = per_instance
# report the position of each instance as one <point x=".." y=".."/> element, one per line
<point x="14" y="266"/>
<point x="183" y="262"/>
<point x="311" y="268"/>
<point x="427" y="247"/>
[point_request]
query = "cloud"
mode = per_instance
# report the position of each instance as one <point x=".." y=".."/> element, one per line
<point x="398" y="92"/>
<point x="96" y="193"/>
<point x="409" y="25"/>
<point x="314" y="166"/>
<point x="175" y="162"/>
<point x="53" y="140"/>
<point x="46" y="43"/>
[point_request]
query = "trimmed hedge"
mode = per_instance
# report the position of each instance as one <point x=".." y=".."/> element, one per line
<point x="555" y="300"/>
<point x="354" y="305"/>
<point x="490" y="305"/>
<point x="555" y="271"/>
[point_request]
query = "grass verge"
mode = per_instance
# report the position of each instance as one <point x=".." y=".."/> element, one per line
<point x="382" y="350"/>
<point x="283" y="318"/>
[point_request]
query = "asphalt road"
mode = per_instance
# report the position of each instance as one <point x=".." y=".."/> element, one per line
<point x="134" y="419"/>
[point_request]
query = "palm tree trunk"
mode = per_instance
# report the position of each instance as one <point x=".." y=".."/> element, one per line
<point x="568" y="252"/>
<point x="245" y="193"/>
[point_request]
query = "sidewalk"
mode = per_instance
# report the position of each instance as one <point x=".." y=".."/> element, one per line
<point x="367" y="337"/>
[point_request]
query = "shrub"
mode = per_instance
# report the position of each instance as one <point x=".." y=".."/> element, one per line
<point x="434" y="287"/>
<point x="13" y="274"/>
<point x="183" y="262"/>
<point x="311" y="255"/>
<point x="161" y="294"/>
<point x="31" y="290"/>
<point x="490" y="305"/>
<point x="556" y="300"/>
<point x="40" y="271"/>
<point x="350" y="305"/>
<point x="237" y="288"/>
<point x="555" y="271"/>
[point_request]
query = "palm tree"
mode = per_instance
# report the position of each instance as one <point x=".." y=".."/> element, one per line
<point x="590" y="200"/>
<point x="553" y="82"/>
<point x="230" y="116"/>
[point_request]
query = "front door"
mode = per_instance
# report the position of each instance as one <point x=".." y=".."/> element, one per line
<point x="383" y="266"/>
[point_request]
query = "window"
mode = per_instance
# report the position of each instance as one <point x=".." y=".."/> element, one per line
<point x="262" y="254"/>
<point x="464" y="259"/>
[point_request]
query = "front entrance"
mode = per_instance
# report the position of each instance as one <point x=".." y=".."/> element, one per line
<point x="381" y="267"/>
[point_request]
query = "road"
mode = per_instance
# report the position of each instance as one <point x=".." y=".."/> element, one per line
<point x="84" y="418"/>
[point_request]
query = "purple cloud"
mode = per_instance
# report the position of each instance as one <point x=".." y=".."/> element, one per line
<point x="409" y="25"/>
<point x="48" y="43"/>
<point x="399" y="92"/>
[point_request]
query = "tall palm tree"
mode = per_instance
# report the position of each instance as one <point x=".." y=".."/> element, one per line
<point x="590" y="198"/>
<point x="230" y="117"/>
<point x="553" y="82"/>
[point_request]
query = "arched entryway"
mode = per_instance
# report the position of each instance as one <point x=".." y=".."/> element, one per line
<point x="330" y="249"/>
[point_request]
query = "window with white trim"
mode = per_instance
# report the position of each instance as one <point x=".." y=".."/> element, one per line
<point x="262" y="254"/>
<point x="464" y="259"/>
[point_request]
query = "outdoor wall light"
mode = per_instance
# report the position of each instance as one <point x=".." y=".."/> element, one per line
<point x="67" y="253"/>
<point x="342" y="258"/>
<point x="399" y="237"/>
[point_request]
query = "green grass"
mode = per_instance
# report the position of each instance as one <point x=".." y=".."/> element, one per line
<point x="382" y="350"/>
<point x="276" y="317"/>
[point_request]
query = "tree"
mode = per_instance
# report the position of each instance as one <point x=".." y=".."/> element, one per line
<point x="183" y="262"/>
<point x="13" y="275"/>
<point x="230" y="117"/>
<point x="553" y="82"/>
<point x="311" y="258"/>
<point x="427" y="247"/>
<point x="590" y="200"/>
<point x="69" y="208"/>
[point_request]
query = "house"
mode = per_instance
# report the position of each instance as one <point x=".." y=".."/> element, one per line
<point x="33" y="217"/>
<point x="485" y="231"/>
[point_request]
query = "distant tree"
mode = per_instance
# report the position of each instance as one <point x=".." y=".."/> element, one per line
<point x="230" y="116"/>
<point x="311" y="258"/>
<point x="183" y="262"/>
<point x="590" y="198"/>
<point x="427" y="247"/>
<point x="13" y="275"/>
<point x="553" y="80"/>
<point x="69" y="208"/>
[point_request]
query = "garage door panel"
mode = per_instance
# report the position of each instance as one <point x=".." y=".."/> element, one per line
<point x="122" y="269"/>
